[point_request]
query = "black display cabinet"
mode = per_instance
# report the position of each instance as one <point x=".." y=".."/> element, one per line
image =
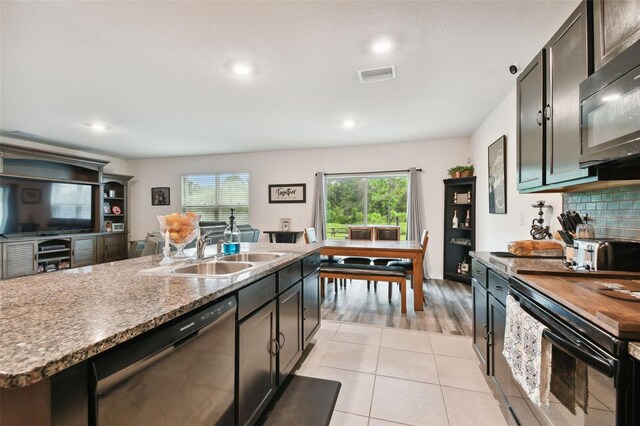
<point x="459" y="197"/>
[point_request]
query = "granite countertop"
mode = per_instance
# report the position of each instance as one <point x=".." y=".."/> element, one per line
<point x="49" y="322"/>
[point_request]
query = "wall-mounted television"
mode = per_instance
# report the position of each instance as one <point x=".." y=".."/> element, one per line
<point x="38" y="207"/>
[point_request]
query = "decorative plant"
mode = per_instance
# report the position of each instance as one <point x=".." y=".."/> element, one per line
<point x="461" y="171"/>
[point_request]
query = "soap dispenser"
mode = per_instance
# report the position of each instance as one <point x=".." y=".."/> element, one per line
<point x="231" y="237"/>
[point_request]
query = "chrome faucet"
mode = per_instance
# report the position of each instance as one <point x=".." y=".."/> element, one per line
<point x="201" y="244"/>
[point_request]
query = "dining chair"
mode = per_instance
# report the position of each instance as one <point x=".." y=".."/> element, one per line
<point x="408" y="264"/>
<point x="383" y="233"/>
<point x="364" y="233"/>
<point x="311" y="238"/>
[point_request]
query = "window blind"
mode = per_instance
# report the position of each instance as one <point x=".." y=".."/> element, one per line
<point x="214" y="195"/>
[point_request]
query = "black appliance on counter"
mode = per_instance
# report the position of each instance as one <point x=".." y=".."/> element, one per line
<point x="610" y="110"/>
<point x="181" y="374"/>
<point x="610" y="372"/>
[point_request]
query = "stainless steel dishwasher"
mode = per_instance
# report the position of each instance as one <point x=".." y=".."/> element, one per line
<point x="181" y="374"/>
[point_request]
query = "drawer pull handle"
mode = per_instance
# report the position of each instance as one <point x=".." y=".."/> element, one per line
<point x="499" y="288"/>
<point x="484" y="332"/>
<point x="284" y="340"/>
<point x="271" y="349"/>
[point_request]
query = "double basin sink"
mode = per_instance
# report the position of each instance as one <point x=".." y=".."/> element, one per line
<point x="227" y="265"/>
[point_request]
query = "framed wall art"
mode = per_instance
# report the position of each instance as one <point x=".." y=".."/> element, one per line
<point x="30" y="195"/>
<point x="497" y="174"/>
<point x="291" y="193"/>
<point x="160" y="196"/>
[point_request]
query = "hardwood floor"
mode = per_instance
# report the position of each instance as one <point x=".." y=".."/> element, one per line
<point x="447" y="310"/>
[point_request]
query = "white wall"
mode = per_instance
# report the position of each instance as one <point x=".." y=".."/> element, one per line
<point x="116" y="165"/>
<point x="299" y="166"/>
<point x="494" y="231"/>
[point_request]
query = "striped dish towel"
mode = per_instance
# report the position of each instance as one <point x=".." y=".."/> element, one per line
<point x="527" y="353"/>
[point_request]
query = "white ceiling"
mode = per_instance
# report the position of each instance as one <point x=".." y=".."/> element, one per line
<point x="158" y="73"/>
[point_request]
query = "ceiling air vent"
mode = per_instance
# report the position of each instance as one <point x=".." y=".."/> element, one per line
<point x="377" y="74"/>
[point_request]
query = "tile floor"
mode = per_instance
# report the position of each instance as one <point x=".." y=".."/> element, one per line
<point x="391" y="376"/>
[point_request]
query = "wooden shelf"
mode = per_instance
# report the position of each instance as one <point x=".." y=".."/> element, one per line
<point x="461" y="228"/>
<point x="113" y="198"/>
<point x="459" y="204"/>
<point x="53" y="259"/>
<point x="458" y="244"/>
<point x="41" y="252"/>
<point x="113" y="215"/>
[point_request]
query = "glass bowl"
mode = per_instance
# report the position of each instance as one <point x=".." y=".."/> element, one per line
<point x="180" y="229"/>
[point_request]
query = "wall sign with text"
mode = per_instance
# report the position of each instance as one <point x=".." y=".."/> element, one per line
<point x="292" y="193"/>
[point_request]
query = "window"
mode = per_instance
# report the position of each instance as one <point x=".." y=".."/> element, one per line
<point x="213" y="196"/>
<point x="365" y="200"/>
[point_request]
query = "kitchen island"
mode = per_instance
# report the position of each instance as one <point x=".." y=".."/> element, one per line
<point x="50" y="323"/>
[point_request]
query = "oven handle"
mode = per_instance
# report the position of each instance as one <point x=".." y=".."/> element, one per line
<point x="580" y="352"/>
<point x="571" y="346"/>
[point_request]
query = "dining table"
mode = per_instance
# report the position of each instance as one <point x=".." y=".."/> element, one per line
<point x="383" y="248"/>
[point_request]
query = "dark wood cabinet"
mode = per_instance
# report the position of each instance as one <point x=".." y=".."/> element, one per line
<point x="257" y="374"/>
<point x="530" y="124"/>
<point x="489" y="291"/>
<point x="19" y="259"/>
<point x="568" y="62"/>
<point x="616" y="26"/>
<point x="114" y="247"/>
<point x="480" y="322"/>
<point x="311" y="306"/>
<point x="274" y="328"/>
<point x="459" y="198"/>
<point x="289" y="330"/>
<point x="83" y="251"/>
<point x="499" y="369"/>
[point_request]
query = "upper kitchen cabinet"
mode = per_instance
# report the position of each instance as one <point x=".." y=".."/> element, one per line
<point x="568" y="62"/>
<point x="530" y="124"/>
<point x="548" y="108"/>
<point x="616" y="26"/>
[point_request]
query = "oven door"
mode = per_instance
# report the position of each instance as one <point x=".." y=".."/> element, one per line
<point x="584" y="395"/>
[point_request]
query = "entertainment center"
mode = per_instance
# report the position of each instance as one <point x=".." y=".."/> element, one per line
<point x="59" y="211"/>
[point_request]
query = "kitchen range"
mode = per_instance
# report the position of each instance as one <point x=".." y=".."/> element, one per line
<point x="588" y="321"/>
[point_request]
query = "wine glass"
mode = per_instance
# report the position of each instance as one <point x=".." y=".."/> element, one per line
<point x="180" y="230"/>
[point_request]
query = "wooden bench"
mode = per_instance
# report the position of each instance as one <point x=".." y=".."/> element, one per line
<point x="395" y="274"/>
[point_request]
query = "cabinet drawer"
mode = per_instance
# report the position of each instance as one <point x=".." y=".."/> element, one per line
<point x="310" y="264"/>
<point x="498" y="287"/>
<point x="479" y="272"/>
<point x="289" y="276"/>
<point x="255" y="295"/>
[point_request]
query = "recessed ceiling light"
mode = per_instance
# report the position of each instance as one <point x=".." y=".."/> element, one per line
<point x="98" y="127"/>
<point x="242" y="68"/>
<point x="348" y="124"/>
<point x="382" y="46"/>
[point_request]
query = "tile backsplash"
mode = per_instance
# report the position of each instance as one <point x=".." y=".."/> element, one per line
<point x="614" y="212"/>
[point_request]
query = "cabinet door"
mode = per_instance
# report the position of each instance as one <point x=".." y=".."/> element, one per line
<point x="256" y="363"/>
<point x="289" y="330"/>
<point x="616" y="26"/>
<point x="311" y="307"/>
<point x="19" y="259"/>
<point x="113" y="247"/>
<point x="530" y="124"/>
<point x="568" y="63"/>
<point x="83" y="251"/>
<point x="480" y="323"/>
<point x="499" y="368"/>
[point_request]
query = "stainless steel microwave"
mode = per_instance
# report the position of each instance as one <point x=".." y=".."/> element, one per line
<point x="610" y="110"/>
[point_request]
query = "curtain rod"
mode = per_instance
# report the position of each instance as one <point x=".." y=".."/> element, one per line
<point x="369" y="173"/>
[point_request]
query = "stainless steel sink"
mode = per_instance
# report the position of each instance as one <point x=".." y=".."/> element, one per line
<point x="214" y="268"/>
<point x="251" y="257"/>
